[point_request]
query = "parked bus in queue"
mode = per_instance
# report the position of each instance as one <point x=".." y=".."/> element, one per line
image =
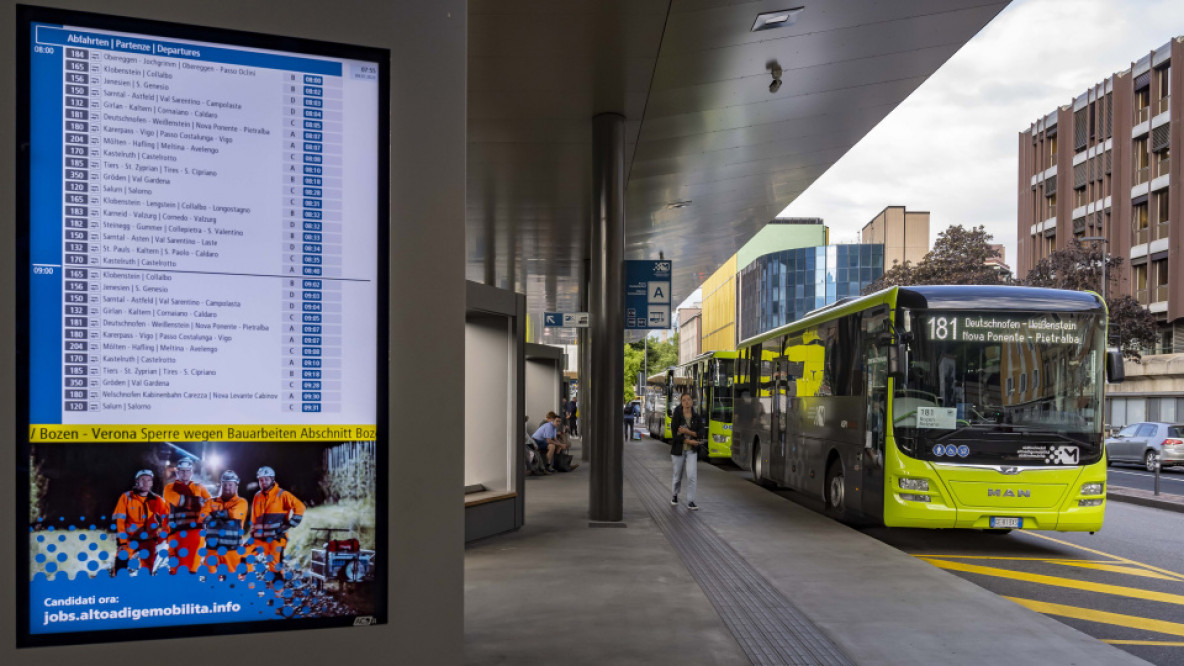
<point x="668" y="388"/>
<point x="938" y="406"/>
<point x="710" y="378"/>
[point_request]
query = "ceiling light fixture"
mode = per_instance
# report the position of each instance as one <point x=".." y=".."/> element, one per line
<point x="678" y="204"/>
<point x="777" y="19"/>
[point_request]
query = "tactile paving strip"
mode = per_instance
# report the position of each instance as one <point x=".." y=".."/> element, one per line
<point x="769" y="628"/>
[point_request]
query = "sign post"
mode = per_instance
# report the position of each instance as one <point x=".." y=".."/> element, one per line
<point x="647" y="294"/>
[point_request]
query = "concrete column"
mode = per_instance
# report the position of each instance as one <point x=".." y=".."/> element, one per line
<point x="606" y="307"/>
<point x="582" y="340"/>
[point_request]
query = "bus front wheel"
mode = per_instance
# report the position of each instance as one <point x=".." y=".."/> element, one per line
<point x="758" y="466"/>
<point x="835" y="489"/>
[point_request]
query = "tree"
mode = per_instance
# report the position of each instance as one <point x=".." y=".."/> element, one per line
<point x="633" y="365"/>
<point x="959" y="256"/>
<point x="662" y="355"/>
<point x="1078" y="267"/>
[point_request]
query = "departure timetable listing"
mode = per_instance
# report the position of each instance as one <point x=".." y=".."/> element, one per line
<point x="203" y="224"/>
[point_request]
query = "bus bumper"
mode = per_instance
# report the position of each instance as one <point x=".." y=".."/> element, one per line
<point x="1066" y="500"/>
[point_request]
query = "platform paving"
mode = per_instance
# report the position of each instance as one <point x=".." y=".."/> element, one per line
<point x="751" y="578"/>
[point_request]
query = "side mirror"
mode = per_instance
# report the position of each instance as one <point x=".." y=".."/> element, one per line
<point x="1115" y="371"/>
<point x="896" y="360"/>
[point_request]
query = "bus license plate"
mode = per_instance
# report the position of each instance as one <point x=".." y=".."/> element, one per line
<point x="1007" y="523"/>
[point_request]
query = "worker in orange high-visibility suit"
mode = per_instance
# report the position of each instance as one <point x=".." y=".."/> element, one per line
<point x="141" y="520"/>
<point x="274" y="511"/>
<point x="226" y="515"/>
<point x="187" y="502"/>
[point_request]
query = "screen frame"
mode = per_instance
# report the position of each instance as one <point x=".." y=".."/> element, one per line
<point x="26" y="16"/>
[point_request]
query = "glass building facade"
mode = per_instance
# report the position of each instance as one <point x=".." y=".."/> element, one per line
<point x="779" y="287"/>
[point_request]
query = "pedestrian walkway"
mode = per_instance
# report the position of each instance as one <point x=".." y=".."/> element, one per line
<point x="751" y="578"/>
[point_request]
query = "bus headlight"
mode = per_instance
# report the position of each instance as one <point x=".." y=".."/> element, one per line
<point x="1093" y="489"/>
<point x="1090" y="502"/>
<point x="719" y="439"/>
<point x="914" y="484"/>
<point x="915" y="498"/>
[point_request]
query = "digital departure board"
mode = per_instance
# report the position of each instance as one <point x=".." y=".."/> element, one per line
<point x="204" y="219"/>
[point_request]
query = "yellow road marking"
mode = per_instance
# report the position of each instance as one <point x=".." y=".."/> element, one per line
<point x="1000" y="557"/>
<point x="1087" y="586"/>
<point x="1103" y="617"/>
<point x="1159" y="643"/>
<point x="1115" y="568"/>
<point x="1124" y="560"/>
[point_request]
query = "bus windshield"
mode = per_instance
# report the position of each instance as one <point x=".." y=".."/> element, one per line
<point x="1002" y="386"/>
<point x="721" y="401"/>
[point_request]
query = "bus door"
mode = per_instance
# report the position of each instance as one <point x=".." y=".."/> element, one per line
<point x="780" y="451"/>
<point x="874" y="355"/>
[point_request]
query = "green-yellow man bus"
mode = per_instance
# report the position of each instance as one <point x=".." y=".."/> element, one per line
<point x="953" y="406"/>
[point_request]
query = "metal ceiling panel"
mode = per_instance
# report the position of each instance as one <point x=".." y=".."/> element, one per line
<point x="692" y="81"/>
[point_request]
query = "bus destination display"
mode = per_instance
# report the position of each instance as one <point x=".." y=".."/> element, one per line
<point x="205" y="216"/>
<point x="1005" y="329"/>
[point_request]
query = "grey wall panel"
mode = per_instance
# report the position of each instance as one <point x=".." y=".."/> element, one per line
<point x="489" y="410"/>
<point x="427" y="40"/>
<point x="542" y="389"/>
<point x="485" y="520"/>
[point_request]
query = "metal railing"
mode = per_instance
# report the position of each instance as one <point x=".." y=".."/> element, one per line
<point x="1163" y="164"/>
<point x="1160" y="230"/>
<point x="1162" y="104"/>
<point x="1160" y="293"/>
<point x="1143" y="296"/>
<point x="1142" y="235"/>
<point x="1142" y="175"/>
<point x="1141" y="115"/>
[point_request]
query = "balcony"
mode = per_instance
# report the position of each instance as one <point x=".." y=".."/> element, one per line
<point x="1141" y="175"/>
<point x="1143" y="296"/>
<point x="1162" y="104"/>
<point x="1163" y="164"/>
<point x="1160" y="230"/>
<point x="1160" y="294"/>
<point x="1141" y="115"/>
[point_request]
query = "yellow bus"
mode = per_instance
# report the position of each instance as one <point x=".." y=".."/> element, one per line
<point x="709" y="377"/>
<point x="939" y="406"/>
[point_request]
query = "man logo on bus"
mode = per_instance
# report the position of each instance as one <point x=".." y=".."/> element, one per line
<point x="1063" y="455"/>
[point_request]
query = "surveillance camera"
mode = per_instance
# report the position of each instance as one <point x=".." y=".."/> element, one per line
<point x="775" y="85"/>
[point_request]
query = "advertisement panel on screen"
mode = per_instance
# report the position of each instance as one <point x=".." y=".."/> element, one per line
<point x="200" y="341"/>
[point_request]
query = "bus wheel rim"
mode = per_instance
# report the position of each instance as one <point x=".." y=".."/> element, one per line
<point x="836" y="491"/>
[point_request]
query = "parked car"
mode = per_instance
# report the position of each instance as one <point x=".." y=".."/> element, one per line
<point x="1146" y="443"/>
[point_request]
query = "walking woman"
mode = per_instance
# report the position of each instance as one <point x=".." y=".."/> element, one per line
<point x="689" y="430"/>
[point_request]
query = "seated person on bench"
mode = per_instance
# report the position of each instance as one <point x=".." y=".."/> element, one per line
<point x="548" y="440"/>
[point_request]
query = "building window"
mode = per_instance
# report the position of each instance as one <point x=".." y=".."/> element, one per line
<point x="1139" y="223"/>
<point x="1142" y="161"/>
<point x="1161" y="209"/>
<point x="1161" y="280"/>
<point x="1080" y="197"/>
<point x="1139" y="282"/>
<point x="1163" y="89"/>
<point x="1142" y="105"/>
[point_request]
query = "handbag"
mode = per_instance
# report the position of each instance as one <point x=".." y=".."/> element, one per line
<point x="562" y="461"/>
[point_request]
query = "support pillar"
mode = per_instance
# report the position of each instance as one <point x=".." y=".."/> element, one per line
<point x="606" y="307"/>
<point x="585" y="359"/>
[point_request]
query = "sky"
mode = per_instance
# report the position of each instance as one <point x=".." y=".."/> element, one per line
<point x="951" y="147"/>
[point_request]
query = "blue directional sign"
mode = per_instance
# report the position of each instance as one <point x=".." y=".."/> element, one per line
<point x="647" y="294"/>
<point x="565" y="319"/>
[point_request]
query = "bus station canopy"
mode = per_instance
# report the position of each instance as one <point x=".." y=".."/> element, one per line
<point x="711" y="154"/>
